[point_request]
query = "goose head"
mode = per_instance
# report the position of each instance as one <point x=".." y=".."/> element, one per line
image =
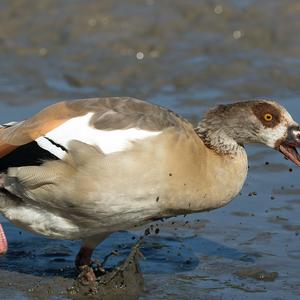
<point x="226" y="128"/>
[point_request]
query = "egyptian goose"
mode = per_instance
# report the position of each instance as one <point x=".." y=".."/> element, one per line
<point x="83" y="169"/>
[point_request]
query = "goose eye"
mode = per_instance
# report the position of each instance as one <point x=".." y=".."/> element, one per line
<point x="268" y="117"/>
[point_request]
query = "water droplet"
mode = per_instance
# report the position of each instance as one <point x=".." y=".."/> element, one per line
<point x="218" y="9"/>
<point x="237" y="34"/>
<point x="140" y="55"/>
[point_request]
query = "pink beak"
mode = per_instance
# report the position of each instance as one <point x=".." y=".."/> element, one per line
<point x="3" y="241"/>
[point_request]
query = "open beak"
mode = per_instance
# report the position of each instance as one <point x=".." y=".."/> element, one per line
<point x="289" y="145"/>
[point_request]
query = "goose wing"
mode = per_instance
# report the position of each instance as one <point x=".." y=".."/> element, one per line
<point x="108" y="123"/>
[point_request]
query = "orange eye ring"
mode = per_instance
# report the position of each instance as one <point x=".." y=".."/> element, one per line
<point x="268" y="117"/>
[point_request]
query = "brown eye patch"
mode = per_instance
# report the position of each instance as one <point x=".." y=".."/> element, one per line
<point x="268" y="114"/>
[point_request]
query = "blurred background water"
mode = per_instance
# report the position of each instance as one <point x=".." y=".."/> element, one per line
<point x="186" y="55"/>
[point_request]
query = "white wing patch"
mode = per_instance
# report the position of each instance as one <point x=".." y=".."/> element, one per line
<point x="47" y="145"/>
<point x="9" y="124"/>
<point x="78" y="128"/>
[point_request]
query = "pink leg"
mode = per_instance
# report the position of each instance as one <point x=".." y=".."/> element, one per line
<point x="84" y="256"/>
<point x="3" y="241"/>
<point x="83" y="261"/>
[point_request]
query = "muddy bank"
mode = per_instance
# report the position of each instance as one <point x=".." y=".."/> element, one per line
<point x="180" y="54"/>
<point x="15" y="285"/>
<point x="124" y="280"/>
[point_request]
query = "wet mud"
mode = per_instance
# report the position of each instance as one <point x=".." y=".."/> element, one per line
<point x="123" y="280"/>
<point x="188" y="56"/>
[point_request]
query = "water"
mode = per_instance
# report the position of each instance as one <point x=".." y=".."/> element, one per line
<point x="195" y="54"/>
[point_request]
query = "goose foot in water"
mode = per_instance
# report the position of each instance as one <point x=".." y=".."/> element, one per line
<point x="125" y="275"/>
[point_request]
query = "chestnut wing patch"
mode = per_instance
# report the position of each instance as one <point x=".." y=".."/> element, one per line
<point x="28" y="154"/>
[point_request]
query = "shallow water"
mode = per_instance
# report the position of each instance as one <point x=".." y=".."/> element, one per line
<point x="195" y="54"/>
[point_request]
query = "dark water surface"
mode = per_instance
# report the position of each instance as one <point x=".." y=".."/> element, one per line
<point x="188" y="56"/>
